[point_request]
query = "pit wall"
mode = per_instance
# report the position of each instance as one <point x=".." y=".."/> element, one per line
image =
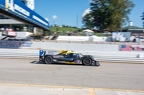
<point x="70" y="46"/>
<point x="84" y="38"/>
<point x="76" y="46"/>
<point x="59" y="46"/>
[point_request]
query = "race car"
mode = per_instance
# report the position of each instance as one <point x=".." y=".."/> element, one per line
<point x="66" y="56"/>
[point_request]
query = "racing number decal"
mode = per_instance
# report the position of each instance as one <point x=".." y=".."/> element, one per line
<point x="41" y="52"/>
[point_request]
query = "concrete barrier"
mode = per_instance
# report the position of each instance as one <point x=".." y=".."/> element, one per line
<point x="79" y="46"/>
<point x="75" y="46"/>
<point x="84" y="38"/>
<point x="62" y="45"/>
<point x="73" y="38"/>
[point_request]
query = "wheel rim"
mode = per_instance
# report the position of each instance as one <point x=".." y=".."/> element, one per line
<point x="87" y="61"/>
<point x="48" y="60"/>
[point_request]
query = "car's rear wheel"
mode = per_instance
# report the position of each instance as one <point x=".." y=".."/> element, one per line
<point x="87" y="61"/>
<point x="48" y="60"/>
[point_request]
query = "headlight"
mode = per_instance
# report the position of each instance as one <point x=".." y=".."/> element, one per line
<point x="95" y="59"/>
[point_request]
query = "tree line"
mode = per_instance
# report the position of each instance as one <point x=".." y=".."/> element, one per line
<point x="108" y="14"/>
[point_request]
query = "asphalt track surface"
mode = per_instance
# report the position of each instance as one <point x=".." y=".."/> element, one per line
<point x="108" y="79"/>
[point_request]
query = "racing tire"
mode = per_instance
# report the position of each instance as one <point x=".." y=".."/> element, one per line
<point x="48" y="60"/>
<point x="87" y="61"/>
<point x="97" y="63"/>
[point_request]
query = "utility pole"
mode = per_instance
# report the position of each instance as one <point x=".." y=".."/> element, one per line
<point x="77" y="20"/>
<point x="143" y="19"/>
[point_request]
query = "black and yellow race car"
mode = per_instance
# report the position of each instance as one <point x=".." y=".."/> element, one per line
<point x="66" y="56"/>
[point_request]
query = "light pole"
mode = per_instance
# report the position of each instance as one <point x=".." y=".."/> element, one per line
<point x="122" y="21"/>
<point x="143" y="19"/>
<point x="77" y="21"/>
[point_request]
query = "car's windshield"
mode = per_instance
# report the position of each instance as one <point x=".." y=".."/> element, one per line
<point x="80" y="55"/>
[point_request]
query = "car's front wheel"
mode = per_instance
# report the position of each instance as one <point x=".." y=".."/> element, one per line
<point x="48" y="60"/>
<point x="87" y="61"/>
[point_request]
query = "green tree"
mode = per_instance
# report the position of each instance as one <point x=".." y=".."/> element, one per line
<point x="87" y="21"/>
<point x="109" y="14"/>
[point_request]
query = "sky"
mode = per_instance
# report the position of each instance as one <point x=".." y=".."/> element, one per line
<point x="70" y="12"/>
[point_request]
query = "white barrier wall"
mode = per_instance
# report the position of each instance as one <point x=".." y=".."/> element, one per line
<point x="54" y="45"/>
<point x="76" y="46"/>
<point x="101" y="39"/>
<point x="84" y="38"/>
<point x="21" y="34"/>
<point x="73" y="38"/>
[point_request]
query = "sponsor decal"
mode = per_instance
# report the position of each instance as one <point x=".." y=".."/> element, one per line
<point x="26" y="44"/>
<point x="11" y="5"/>
<point x="9" y="32"/>
<point x="10" y="44"/>
<point x="55" y="56"/>
<point x="38" y="19"/>
<point x="14" y="44"/>
<point x="131" y="48"/>
<point x="16" y="7"/>
<point x="52" y="52"/>
<point x="19" y="9"/>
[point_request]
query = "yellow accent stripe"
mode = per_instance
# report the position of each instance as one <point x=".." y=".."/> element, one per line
<point x="70" y="63"/>
<point x="48" y="86"/>
<point x="92" y="92"/>
<point x="6" y="4"/>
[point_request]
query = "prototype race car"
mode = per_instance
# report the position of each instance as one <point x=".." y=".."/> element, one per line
<point x="66" y="56"/>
